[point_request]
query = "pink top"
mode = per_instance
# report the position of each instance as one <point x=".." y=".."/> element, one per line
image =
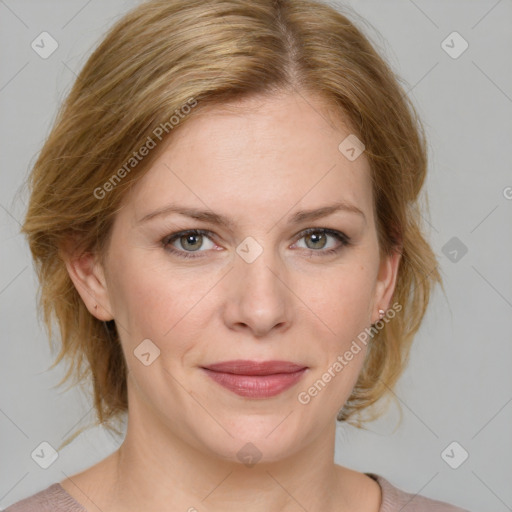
<point x="56" y="499"/>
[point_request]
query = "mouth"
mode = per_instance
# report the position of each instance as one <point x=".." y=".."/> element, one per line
<point x="255" y="379"/>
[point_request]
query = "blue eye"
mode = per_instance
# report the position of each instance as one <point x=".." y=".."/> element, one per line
<point x="192" y="241"/>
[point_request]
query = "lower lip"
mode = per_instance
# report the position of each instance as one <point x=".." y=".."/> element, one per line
<point x="256" y="386"/>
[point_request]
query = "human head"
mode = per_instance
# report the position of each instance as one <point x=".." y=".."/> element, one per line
<point x="179" y="68"/>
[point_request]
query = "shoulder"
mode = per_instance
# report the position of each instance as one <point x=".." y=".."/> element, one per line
<point x="52" y="499"/>
<point x="394" y="499"/>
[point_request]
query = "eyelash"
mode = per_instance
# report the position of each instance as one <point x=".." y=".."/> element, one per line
<point x="341" y="237"/>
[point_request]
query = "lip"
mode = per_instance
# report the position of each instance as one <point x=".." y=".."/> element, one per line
<point x="255" y="379"/>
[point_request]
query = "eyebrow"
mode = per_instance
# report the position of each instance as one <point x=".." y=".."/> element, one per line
<point x="216" y="218"/>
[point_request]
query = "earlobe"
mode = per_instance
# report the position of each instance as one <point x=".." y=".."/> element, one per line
<point x="388" y="273"/>
<point x="88" y="276"/>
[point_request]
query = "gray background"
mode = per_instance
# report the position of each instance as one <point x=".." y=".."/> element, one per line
<point x="458" y="386"/>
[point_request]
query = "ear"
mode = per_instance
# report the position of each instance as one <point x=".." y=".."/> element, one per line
<point x="88" y="276"/>
<point x="386" y="282"/>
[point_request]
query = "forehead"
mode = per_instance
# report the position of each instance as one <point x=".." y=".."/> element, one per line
<point x="257" y="154"/>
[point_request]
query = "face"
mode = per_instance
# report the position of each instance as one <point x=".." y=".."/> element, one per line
<point x="270" y="281"/>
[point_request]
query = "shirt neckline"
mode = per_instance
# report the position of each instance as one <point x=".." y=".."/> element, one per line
<point x="388" y="494"/>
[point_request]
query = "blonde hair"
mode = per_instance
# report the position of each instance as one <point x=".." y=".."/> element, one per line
<point x="166" y="54"/>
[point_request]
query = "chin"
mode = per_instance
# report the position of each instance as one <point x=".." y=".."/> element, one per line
<point x="257" y="438"/>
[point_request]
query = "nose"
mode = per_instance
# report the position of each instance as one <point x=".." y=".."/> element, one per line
<point x="258" y="298"/>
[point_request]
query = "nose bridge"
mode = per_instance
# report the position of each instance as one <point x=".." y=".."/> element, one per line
<point x="259" y="275"/>
<point x="259" y="298"/>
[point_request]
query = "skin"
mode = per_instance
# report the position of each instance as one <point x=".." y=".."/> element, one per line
<point x="257" y="163"/>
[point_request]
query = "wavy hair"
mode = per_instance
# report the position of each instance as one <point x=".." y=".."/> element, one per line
<point x="160" y="57"/>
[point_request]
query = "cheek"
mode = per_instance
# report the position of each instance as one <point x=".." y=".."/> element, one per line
<point x="341" y="299"/>
<point x="157" y="303"/>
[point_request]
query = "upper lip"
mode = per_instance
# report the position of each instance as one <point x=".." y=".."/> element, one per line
<point x="247" y="367"/>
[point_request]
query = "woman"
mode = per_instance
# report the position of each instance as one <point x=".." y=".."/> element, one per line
<point x="225" y="225"/>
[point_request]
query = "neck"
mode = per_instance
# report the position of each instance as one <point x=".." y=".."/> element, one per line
<point x="158" y="467"/>
<point x="156" y="470"/>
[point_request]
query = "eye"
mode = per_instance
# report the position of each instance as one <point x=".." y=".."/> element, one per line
<point x="318" y="241"/>
<point x="185" y="243"/>
<point x="190" y="241"/>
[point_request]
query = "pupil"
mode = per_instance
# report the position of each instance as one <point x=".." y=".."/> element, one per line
<point x="190" y="239"/>
<point x="316" y="238"/>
